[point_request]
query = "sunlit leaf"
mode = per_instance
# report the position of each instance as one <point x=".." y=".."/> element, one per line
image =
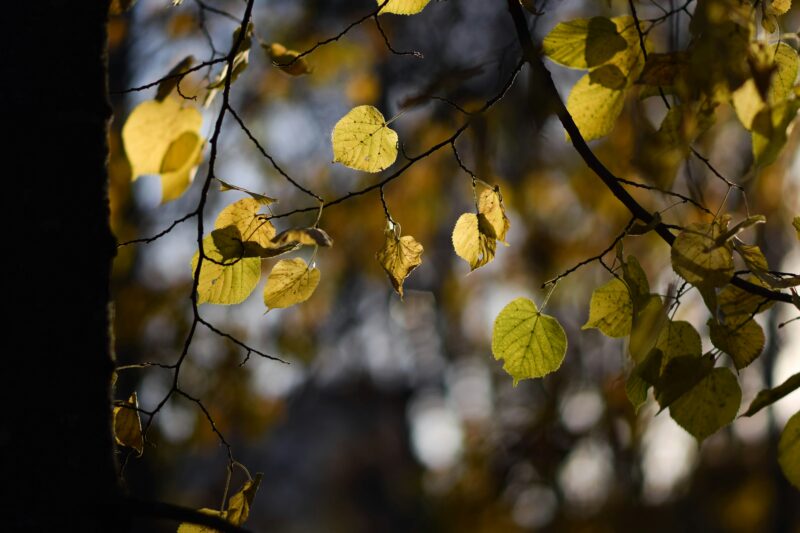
<point x="248" y="232"/>
<point x="128" y="425"/>
<point x="644" y="375"/>
<point x="473" y="240"/>
<point x="228" y="283"/>
<point x="531" y="344"/>
<point x="697" y="258"/>
<point x="172" y="79"/>
<point x="490" y="205"/>
<point x="260" y="198"/>
<point x="291" y="282"/>
<point x="586" y="43"/>
<point x="285" y="59"/>
<point x="595" y="104"/>
<point x="743" y="341"/>
<point x="399" y="256"/>
<point x="611" y="309"/>
<point x="769" y="396"/>
<point x="186" y="527"/>
<point x="769" y="131"/>
<point x="161" y="138"/>
<point x="403" y="7"/>
<point x="678" y="339"/>
<point x="646" y="327"/>
<point x="783" y="64"/>
<point x="304" y="236"/>
<point x="240" y="503"/>
<point x="789" y="450"/>
<point x="363" y="141"/>
<point x="708" y="406"/>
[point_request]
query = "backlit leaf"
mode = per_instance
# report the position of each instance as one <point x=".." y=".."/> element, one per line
<point x="678" y="339"/>
<point x="796" y="224"/>
<point x="769" y="131"/>
<point x="228" y="283"/>
<point x="697" y="258"/>
<point x="304" y="236"/>
<point x="291" y="282"/>
<point x="254" y="232"/>
<point x="161" y="138"/>
<point x="531" y="344"/>
<point x="490" y="205"/>
<point x="710" y="405"/>
<point x="789" y="450"/>
<point x="172" y="79"/>
<point x="239" y="504"/>
<point x="399" y="256"/>
<point x="586" y="43"/>
<point x="743" y="341"/>
<point x="260" y="198"/>
<point x="646" y="328"/>
<point x="128" y="425"/>
<point x="769" y="396"/>
<point x="362" y="140"/>
<point x="403" y="7"/>
<point x="186" y="527"/>
<point x="611" y="309"/>
<point x="737" y="305"/>
<point x="473" y="240"/>
<point x="285" y="59"/>
<point x="594" y="105"/>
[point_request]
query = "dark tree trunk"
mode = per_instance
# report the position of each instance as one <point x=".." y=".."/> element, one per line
<point x="57" y="447"/>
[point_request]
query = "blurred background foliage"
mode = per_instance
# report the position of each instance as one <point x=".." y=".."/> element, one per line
<point x="393" y="416"/>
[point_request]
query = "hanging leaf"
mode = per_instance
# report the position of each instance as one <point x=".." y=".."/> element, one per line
<point x="769" y="131"/>
<point x="531" y="344"/>
<point x="161" y="138"/>
<point x="490" y="205"/>
<point x="710" y="405"/>
<point x="611" y="309"/>
<point x="247" y="234"/>
<point x="403" y="7"/>
<point x="743" y="341"/>
<point x="678" y="339"/>
<point x="642" y="377"/>
<point x="399" y="256"/>
<point x="697" y="258"/>
<point x="225" y="281"/>
<point x="172" y="78"/>
<point x="473" y="240"/>
<point x="240" y="503"/>
<point x="595" y="102"/>
<point x="128" y="425"/>
<point x="260" y="198"/>
<point x="769" y="396"/>
<point x="303" y="236"/>
<point x="782" y="65"/>
<point x="362" y="140"/>
<point x="291" y="282"/>
<point x="285" y="59"/>
<point x="789" y="450"/>
<point x="586" y="43"/>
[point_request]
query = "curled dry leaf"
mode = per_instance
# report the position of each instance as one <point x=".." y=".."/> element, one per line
<point x="399" y="256"/>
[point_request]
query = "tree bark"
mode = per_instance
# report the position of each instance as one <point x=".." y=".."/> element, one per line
<point x="58" y="453"/>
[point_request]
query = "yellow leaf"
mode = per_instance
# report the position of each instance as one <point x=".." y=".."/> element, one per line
<point x="399" y="256"/>
<point x="769" y="130"/>
<point x="789" y="450"/>
<point x="362" y="140"/>
<point x="779" y="7"/>
<point x="290" y="282"/>
<point x="747" y="100"/>
<point x="531" y="344"/>
<point x="611" y="309"/>
<point x="490" y="205"/>
<point x="260" y="198"/>
<point x="186" y="527"/>
<point x="403" y="7"/>
<point x="586" y="43"/>
<point x="161" y="138"/>
<point x="253" y="231"/>
<point x="286" y="59"/>
<point x="698" y="259"/>
<point x="709" y="405"/>
<point x="239" y="504"/>
<point x="743" y="341"/>
<point x="171" y="79"/>
<point x="305" y="236"/>
<point x="796" y="224"/>
<point x="646" y="328"/>
<point x="128" y="425"/>
<point x="228" y="283"/>
<point x="737" y="305"/>
<point x="595" y="104"/>
<point x="473" y="240"/>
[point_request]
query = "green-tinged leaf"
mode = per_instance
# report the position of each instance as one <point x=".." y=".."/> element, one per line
<point x="531" y="344"/>
<point x="642" y="377"/>
<point x="697" y="258"/>
<point x="291" y="282"/>
<point x="636" y="280"/>
<point x="636" y="390"/>
<point x="789" y="450"/>
<point x="162" y="138"/>
<point x="708" y="406"/>
<point x="596" y="101"/>
<point x="738" y="228"/>
<point x="611" y="309"/>
<point x="186" y="527"/>
<point x="646" y="328"/>
<point x="680" y="375"/>
<point x="173" y="77"/>
<point x="403" y="7"/>
<point x="473" y="240"/>
<point x="303" y="236"/>
<point x="228" y="283"/>
<point x="737" y="305"/>
<point x="780" y="65"/>
<point x="240" y="503"/>
<point x="399" y="256"/>
<point x="796" y="224"/>
<point x="743" y="341"/>
<point x="586" y="43"/>
<point x="285" y="59"/>
<point x="128" y="425"/>
<point x="769" y="131"/>
<point x="260" y="198"/>
<point x="362" y="140"/>
<point x="490" y="205"/>
<point x="678" y="339"/>
<point x="769" y="396"/>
